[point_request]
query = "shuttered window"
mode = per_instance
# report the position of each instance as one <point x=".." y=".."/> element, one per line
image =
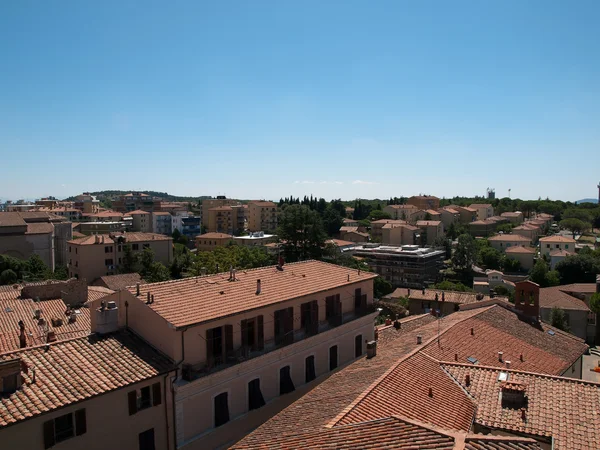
<point x="309" y="369"/>
<point x="286" y="385"/>
<point x="255" y="397"/>
<point x="64" y="427"/>
<point x="156" y="396"/>
<point x="221" y="404"/>
<point x="333" y="357"/>
<point x="358" y="346"/>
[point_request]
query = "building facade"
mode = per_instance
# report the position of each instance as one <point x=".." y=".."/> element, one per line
<point x="424" y="202"/>
<point x="484" y="210"/>
<point x="262" y="216"/>
<point x="551" y="243"/>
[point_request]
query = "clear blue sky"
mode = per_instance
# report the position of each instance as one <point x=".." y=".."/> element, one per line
<point x="257" y="99"/>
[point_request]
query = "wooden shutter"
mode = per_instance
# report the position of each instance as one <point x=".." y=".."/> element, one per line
<point x="261" y="332"/>
<point x="80" y="422"/>
<point x="48" y="433"/>
<point x="289" y="325"/>
<point x="228" y="341"/>
<point x="363" y="302"/>
<point x="132" y="398"/>
<point x="357" y="298"/>
<point x="244" y="328"/>
<point x="209" y="345"/>
<point x="156" y="397"/>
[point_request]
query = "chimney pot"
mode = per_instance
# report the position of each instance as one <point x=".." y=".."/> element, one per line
<point x="147" y="297"/>
<point x="137" y="289"/>
<point x="348" y="277"/>
<point x="468" y="379"/>
<point x="419" y="339"/>
<point x="521" y="357"/>
<point x="508" y="364"/>
<point x="456" y="357"/>
<point x="523" y="414"/>
<point x="500" y="356"/>
<point x="431" y="392"/>
<point x="472" y="332"/>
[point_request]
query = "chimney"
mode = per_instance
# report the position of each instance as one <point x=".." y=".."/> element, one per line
<point x="508" y="364"/>
<point x="472" y="331"/>
<point x="521" y="357"/>
<point x="152" y="298"/>
<point x="468" y="379"/>
<point x="456" y="357"/>
<point x="513" y="394"/>
<point x="258" y="288"/>
<point x="423" y="291"/>
<point x="147" y="298"/>
<point x="137" y="289"/>
<point x="408" y="293"/>
<point x="419" y="339"/>
<point x="22" y="338"/>
<point x="443" y="296"/>
<point x="523" y="415"/>
<point x="500" y="356"/>
<point x="430" y="392"/>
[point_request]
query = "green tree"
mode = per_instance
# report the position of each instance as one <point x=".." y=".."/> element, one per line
<point x="8" y="276"/>
<point x="377" y="214"/>
<point x="575" y="226"/>
<point x="552" y="278"/>
<point x="558" y="319"/>
<point x="176" y="235"/>
<point x="332" y="221"/>
<point x="382" y="287"/>
<point x="443" y="242"/>
<point x="146" y="261"/>
<point x="505" y="228"/>
<point x="130" y="260"/>
<point x="35" y="268"/>
<point x="538" y="272"/>
<point x="301" y="232"/>
<point x="60" y="273"/>
<point x="580" y="268"/>
<point x="490" y="258"/>
<point x="511" y="265"/>
<point x="465" y="254"/>
<point x="156" y="273"/>
<point x="450" y="286"/>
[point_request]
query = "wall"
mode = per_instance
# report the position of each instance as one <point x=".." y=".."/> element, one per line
<point x="577" y="321"/>
<point x="547" y="247"/>
<point x="526" y="259"/>
<point x="503" y="245"/>
<point x="109" y="425"/>
<point x="71" y="291"/>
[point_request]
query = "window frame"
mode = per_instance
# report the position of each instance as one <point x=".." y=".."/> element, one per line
<point x="214" y="409"/>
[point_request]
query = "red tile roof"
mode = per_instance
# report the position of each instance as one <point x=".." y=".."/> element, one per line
<point x="74" y="370"/>
<point x="118" y="282"/>
<point x="511" y="214"/>
<point x="40" y="228"/>
<point x="264" y="203"/>
<point x="11" y="219"/>
<point x="339" y="242"/>
<point x="449" y="296"/>
<point x="480" y="205"/>
<point x="214" y="236"/>
<point x="138" y="211"/>
<point x="129" y="237"/>
<point x="559" y="252"/>
<point x="201" y="299"/>
<point x="390" y="221"/>
<point x="98" y="292"/>
<point x="556" y="238"/>
<point x="428" y="223"/>
<point x="508" y="238"/>
<point x="519" y="249"/>
<point x="559" y="297"/>
<point x="562" y="409"/>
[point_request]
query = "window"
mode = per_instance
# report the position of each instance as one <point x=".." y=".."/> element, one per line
<point x="557" y="246"/>
<point x="107" y="249"/>
<point x="64" y="427"/>
<point x="219" y="344"/>
<point x="108" y="262"/>
<point x="591" y="318"/>
<point x="284" y="326"/>
<point x="69" y="249"/>
<point x="75" y="250"/>
<point x="566" y="246"/>
<point x="144" y="398"/>
<point x="120" y="248"/>
<point x="358" y="346"/>
<point x="360" y="301"/>
<point x="333" y="357"/>
<point x="135" y="246"/>
<point x="221" y="404"/>
<point x="333" y="309"/>
<point x="286" y="385"/>
<point x="146" y="440"/>
<point x="253" y="334"/>
<point x="309" y="317"/>
<point x="309" y="369"/>
<point x="547" y="245"/>
<point x="255" y="397"/>
<point x="146" y="245"/>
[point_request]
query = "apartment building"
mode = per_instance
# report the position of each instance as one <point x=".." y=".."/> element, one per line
<point x="482" y="228"/>
<point x="137" y="200"/>
<point x="431" y="230"/>
<point x="551" y="243"/>
<point x="437" y="301"/>
<point x="400" y="234"/>
<point x="162" y="223"/>
<point x="23" y="234"/>
<point x="400" y="212"/>
<point x="405" y="266"/>
<point x="424" y="202"/>
<point x="227" y="219"/>
<point x="191" y="226"/>
<point x="262" y="216"/>
<point x="528" y="230"/>
<point x="103" y="227"/>
<point x="377" y="227"/>
<point x="246" y="338"/>
<point x="484" y="210"/>
<point x="141" y="221"/>
<point x="209" y="241"/>
<point x="87" y="203"/>
<point x="524" y="254"/>
<point x="449" y="216"/>
<point x="211" y="203"/>
<point x="95" y="256"/>
<point x="516" y="218"/>
<point x="502" y="242"/>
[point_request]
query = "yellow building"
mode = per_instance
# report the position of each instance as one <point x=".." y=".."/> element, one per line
<point x="424" y="202"/>
<point x="211" y="203"/>
<point x="209" y="241"/>
<point x="262" y="216"/>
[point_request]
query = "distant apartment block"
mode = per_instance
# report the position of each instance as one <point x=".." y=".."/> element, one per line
<point x="449" y="216"/>
<point x="262" y="216"/>
<point x="191" y="226"/>
<point x="482" y="228"/>
<point x="23" y="234"/>
<point x="87" y="203"/>
<point x="400" y="234"/>
<point x="211" y="203"/>
<point x="424" y="202"/>
<point x="162" y="223"/>
<point x="516" y="218"/>
<point x="525" y="255"/>
<point x="137" y="200"/>
<point x="528" y="230"/>
<point x="484" y="210"/>
<point x="378" y="225"/>
<point x="400" y="212"/>
<point x="405" y="266"/>
<point x="502" y="242"/>
<point x="141" y="221"/>
<point x="431" y="230"/>
<point x="209" y="241"/>
<point x="96" y="256"/>
<point x="551" y="243"/>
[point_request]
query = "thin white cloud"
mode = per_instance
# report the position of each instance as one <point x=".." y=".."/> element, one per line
<point x="364" y="182"/>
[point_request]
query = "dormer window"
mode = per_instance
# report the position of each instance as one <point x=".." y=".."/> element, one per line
<point x="10" y="375"/>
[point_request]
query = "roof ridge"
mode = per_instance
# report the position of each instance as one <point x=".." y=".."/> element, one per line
<point x="62" y="341"/>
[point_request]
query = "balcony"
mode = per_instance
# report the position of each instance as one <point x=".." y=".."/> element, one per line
<point x="242" y="354"/>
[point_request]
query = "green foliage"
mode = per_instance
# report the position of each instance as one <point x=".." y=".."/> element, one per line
<point x="176" y="234"/>
<point x="465" y="254"/>
<point x="378" y="215"/>
<point x="156" y="272"/>
<point x="301" y="230"/>
<point x="552" y="278"/>
<point x="490" y="258"/>
<point x="382" y="287"/>
<point x="581" y="268"/>
<point x="575" y="226"/>
<point x="450" y="286"/>
<point x="236" y="256"/>
<point x="505" y="228"/>
<point x="8" y="276"/>
<point x="60" y="273"/>
<point x="146" y="261"/>
<point x="558" y="319"/>
<point x="443" y="242"/>
<point x="35" y="269"/>
<point x="332" y="221"/>
<point x="595" y="303"/>
<point x="541" y="275"/>
<point x="511" y="265"/>
<point x="130" y="260"/>
<point x="364" y="223"/>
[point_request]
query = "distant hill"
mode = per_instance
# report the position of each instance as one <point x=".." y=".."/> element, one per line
<point x="588" y="200"/>
<point x="110" y="195"/>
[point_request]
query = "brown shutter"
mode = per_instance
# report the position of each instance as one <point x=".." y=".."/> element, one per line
<point x="80" y="422"/>
<point x="48" y="433"/>
<point x="244" y="327"/>
<point x="261" y="332"/>
<point x="156" y="397"/>
<point x="209" y="345"/>
<point x="314" y="314"/>
<point x="363" y="302"/>
<point x="132" y="398"/>
<point x="228" y="341"/>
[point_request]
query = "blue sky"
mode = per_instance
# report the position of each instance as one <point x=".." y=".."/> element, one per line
<point x="340" y="99"/>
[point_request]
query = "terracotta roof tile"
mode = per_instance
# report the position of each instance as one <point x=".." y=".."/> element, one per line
<point x="214" y="236"/>
<point x="559" y="297"/>
<point x="428" y="223"/>
<point x="118" y="282"/>
<point x="508" y="238"/>
<point x="556" y="253"/>
<point x="339" y="242"/>
<point x="40" y="228"/>
<point x="489" y="442"/>
<point x="201" y="299"/>
<point x="562" y="239"/>
<point x="129" y="237"/>
<point x="78" y="369"/>
<point x="11" y="219"/>
<point x="519" y="249"/>
<point x="98" y="292"/>
<point x="449" y="296"/>
<point x="138" y="211"/>
<point x="563" y="409"/>
<point x="480" y="205"/>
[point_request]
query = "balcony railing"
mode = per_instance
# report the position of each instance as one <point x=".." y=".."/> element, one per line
<point x="246" y="353"/>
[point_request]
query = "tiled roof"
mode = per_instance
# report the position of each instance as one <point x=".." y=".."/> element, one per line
<point x="389" y="221"/>
<point x="508" y="238"/>
<point x="389" y="433"/>
<point x="40" y="228"/>
<point x="402" y="206"/>
<point x="138" y="211"/>
<point x="480" y="205"/>
<point x="346" y="229"/>
<point x="108" y="214"/>
<point x="129" y="237"/>
<point x="490" y="442"/>
<point x="558" y="297"/>
<point x="264" y="203"/>
<point x="221" y="208"/>
<point x="519" y="249"/>
<point x="11" y="219"/>
<point x="527" y="227"/>
<point x="161" y="213"/>
<point x="559" y="252"/>
<point x="339" y="242"/>
<point x="482" y="222"/>
<point x="118" y="282"/>
<point x="562" y="409"/>
<point x="450" y="210"/>
<point x="427" y="394"/>
<point x="13" y="309"/>
<point x="98" y="292"/>
<point x="429" y="295"/>
<point x="428" y="223"/>
<point x="433" y="212"/>
<point x="350" y="221"/>
<point x="356" y="232"/>
<point x="557" y="238"/>
<point x="201" y="299"/>
<point x="500" y="330"/>
<point x="214" y="236"/>
<point x="74" y="370"/>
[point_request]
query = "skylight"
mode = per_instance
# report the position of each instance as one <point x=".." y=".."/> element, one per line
<point x="551" y="333"/>
<point x="503" y="376"/>
<point x="472" y="360"/>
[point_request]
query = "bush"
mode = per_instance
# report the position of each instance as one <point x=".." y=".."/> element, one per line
<point x="8" y="276"/>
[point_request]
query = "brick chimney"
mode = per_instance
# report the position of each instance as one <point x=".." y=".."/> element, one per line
<point x="527" y="298"/>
